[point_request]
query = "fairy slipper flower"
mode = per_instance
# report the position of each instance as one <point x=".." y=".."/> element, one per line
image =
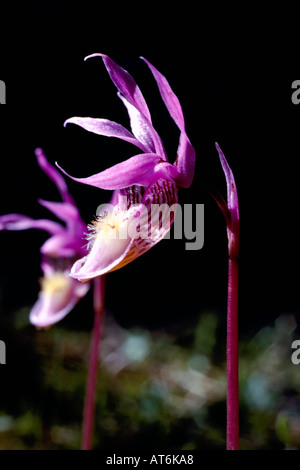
<point x="145" y="186"/>
<point x="59" y="292"/>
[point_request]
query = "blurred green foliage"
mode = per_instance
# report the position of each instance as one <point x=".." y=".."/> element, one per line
<point x="156" y="389"/>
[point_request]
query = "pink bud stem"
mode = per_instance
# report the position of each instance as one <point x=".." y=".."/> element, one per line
<point x="232" y="357"/>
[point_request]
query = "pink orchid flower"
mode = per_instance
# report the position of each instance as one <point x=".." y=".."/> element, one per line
<point x="140" y="183"/>
<point x="59" y="292"/>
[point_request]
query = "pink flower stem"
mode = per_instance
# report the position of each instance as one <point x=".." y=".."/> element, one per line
<point x="90" y="397"/>
<point x="232" y="357"/>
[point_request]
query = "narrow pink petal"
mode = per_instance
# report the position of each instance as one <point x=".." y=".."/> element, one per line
<point x="63" y="210"/>
<point x="106" y="128"/>
<point x="143" y="130"/>
<point x="139" y="169"/>
<point x="62" y="243"/>
<point x="170" y="99"/>
<point x="125" y="84"/>
<point x="185" y="160"/>
<point x="54" y="175"/>
<point x="129" y="90"/>
<point x="22" y="222"/>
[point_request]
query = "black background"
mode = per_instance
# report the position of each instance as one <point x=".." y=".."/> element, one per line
<point x="232" y="70"/>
